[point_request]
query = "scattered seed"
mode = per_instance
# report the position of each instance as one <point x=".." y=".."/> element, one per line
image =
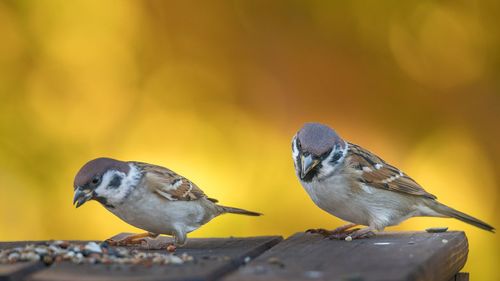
<point x="93" y="247"/>
<point x="171" y="248"/>
<point x="64" y="244"/>
<point x="89" y="253"/>
<point x="48" y="260"/>
<point x="176" y="260"/>
<point x="13" y="257"/>
<point x="41" y="251"/>
<point x="31" y="256"/>
<point x="186" y="257"/>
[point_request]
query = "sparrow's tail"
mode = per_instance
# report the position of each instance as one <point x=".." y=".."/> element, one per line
<point x="450" y="212"/>
<point x="238" y="211"/>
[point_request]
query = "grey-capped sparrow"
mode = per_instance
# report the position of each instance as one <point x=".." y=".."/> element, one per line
<point x="149" y="197"/>
<point x="357" y="186"/>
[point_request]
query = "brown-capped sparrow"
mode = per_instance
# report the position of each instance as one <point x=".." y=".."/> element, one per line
<point x="357" y="186"/>
<point x="149" y="197"/>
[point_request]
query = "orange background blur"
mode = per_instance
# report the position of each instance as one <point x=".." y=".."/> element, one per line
<point x="215" y="90"/>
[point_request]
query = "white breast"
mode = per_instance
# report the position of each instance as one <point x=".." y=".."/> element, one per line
<point x="158" y="215"/>
<point x="366" y="206"/>
<point x="333" y="195"/>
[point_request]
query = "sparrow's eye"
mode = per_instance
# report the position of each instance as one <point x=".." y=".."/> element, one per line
<point x="95" y="180"/>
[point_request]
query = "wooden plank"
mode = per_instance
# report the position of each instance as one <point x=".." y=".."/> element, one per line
<point x="18" y="271"/>
<point x="388" y="256"/>
<point x="213" y="258"/>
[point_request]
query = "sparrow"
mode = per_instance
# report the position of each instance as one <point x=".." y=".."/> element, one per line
<point x="357" y="186"/>
<point x="149" y="197"/>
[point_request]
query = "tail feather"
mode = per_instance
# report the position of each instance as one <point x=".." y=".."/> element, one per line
<point x="238" y="211"/>
<point x="450" y="212"/>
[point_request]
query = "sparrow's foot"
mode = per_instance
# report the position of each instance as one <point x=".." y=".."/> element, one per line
<point x="362" y="233"/>
<point x="135" y="239"/>
<point x="354" y="234"/>
<point x="337" y="232"/>
<point x="321" y="231"/>
<point x="124" y="242"/>
<point x="342" y="235"/>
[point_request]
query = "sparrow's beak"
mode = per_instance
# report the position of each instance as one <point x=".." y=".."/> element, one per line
<point x="82" y="196"/>
<point x="307" y="163"/>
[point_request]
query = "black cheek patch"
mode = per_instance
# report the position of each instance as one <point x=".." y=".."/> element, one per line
<point x="115" y="182"/>
<point x="336" y="157"/>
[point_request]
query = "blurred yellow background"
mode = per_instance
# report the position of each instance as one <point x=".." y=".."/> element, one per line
<point x="215" y="90"/>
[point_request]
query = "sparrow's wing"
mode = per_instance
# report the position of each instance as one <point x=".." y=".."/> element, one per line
<point x="375" y="172"/>
<point x="170" y="185"/>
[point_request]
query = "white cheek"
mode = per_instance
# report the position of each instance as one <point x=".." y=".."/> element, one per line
<point x="328" y="168"/>
<point x="295" y="153"/>
<point x="116" y="195"/>
<point x="103" y="190"/>
<point x="295" y="150"/>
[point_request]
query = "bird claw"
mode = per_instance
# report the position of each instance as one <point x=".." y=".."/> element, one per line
<point x="135" y="239"/>
<point x="111" y="242"/>
<point x="338" y="233"/>
<point x="342" y="235"/>
<point x="360" y="234"/>
<point x="125" y="242"/>
<point x="354" y="234"/>
<point x="344" y="232"/>
<point x="321" y="231"/>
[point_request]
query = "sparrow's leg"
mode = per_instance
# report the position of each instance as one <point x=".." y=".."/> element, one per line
<point x="179" y="240"/>
<point x="180" y="237"/>
<point x="337" y="231"/>
<point x="132" y="239"/>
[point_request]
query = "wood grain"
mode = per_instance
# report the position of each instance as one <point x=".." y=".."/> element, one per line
<point x="213" y="257"/>
<point x="388" y="256"/>
<point x="18" y="271"/>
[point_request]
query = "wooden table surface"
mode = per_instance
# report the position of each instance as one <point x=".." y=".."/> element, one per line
<point x="388" y="256"/>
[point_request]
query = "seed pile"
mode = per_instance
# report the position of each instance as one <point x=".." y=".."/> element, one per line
<point x="90" y="253"/>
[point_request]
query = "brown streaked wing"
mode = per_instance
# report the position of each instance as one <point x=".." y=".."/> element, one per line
<point x="170" y="185"/>
<point x="377" y="173"/>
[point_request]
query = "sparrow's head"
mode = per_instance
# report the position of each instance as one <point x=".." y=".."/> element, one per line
<point x="101" y="179"/>
<point x="316" y="148"/>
